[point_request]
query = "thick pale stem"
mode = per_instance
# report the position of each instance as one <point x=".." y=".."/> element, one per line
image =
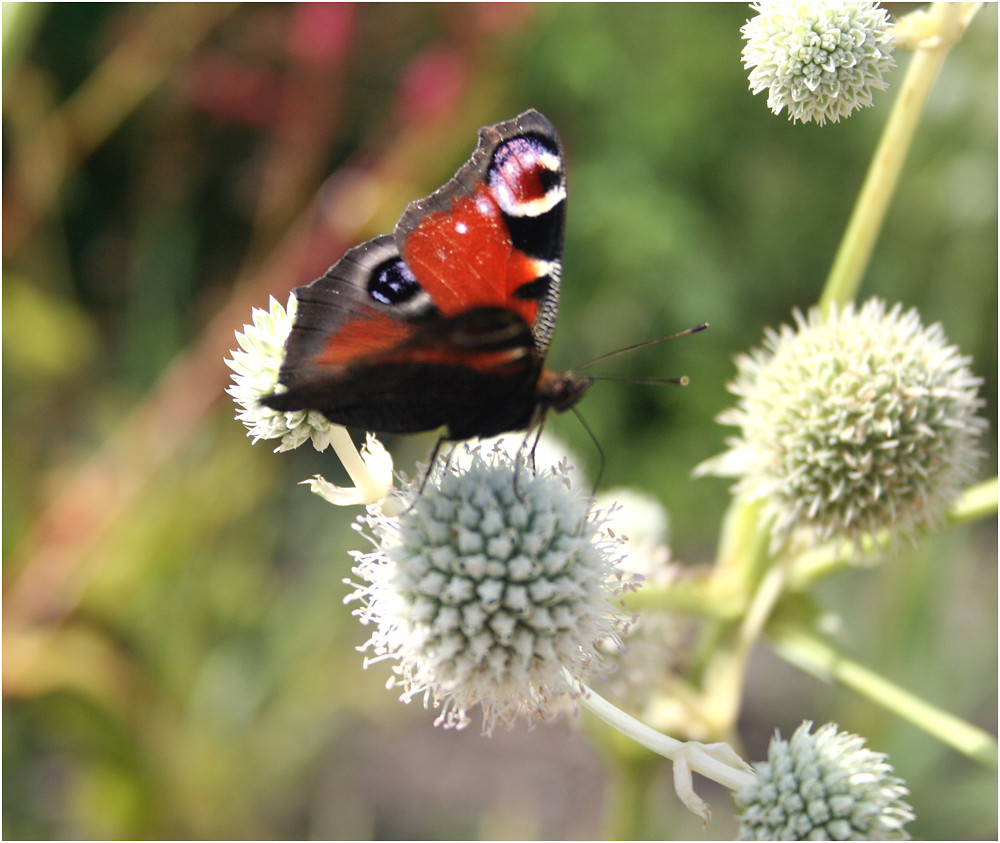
<point x="977" y="502"/>
<point x="371" y="489"/>
<point x="718" y="762"/>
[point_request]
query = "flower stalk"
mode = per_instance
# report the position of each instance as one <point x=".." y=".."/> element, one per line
<point x="718" y="761"/>
<point x="370" y="469"/>
<point x="810" y="653"/>
<point x="947" y="21"/>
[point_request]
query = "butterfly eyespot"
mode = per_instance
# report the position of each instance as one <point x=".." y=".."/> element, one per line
<point x="526" y="177"/>
<point x="392" y="282"/>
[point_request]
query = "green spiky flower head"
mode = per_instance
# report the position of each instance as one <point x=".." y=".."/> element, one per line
<point x="493" y="588"/>
<point x="857" y="422"/>
<point x="819" y="60"/>
<point x="823" y="785"/>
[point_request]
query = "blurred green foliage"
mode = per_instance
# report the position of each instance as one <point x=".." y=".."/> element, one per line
<point x="192" y="672"/>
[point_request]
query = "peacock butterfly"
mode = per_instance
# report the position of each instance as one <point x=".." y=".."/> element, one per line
<point x="446" y="321"/>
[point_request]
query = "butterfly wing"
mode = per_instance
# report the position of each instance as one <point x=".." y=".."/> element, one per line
<point x="446" y="321"/>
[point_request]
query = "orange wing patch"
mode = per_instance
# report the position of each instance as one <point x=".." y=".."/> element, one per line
<point x="370" y="333"/>
<point x="464" y="259"/>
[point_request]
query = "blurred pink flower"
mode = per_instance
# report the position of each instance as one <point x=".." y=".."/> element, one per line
<point x="319" y="33"/>
<point x="431" y="85"/>
<point x="230" y="90"/>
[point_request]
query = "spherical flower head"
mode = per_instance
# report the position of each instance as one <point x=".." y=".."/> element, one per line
<point x="255" y="368"/>
<point x="850" y="424"/>
<point x="491" y="582"/>
<point x="819" y="60"/>
<point x="823" y="786"/>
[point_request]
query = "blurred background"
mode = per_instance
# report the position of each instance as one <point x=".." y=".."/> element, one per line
<point x="178" y="661"/>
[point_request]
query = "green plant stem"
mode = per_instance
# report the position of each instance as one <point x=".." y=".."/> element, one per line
<point x="816" y="656"/>
<point x="743" y="556"/>
<point x="138" y="65"/>
<point x="979" y="501"/>
<point x="869" y="212"/>
<point x="20" y="23"/>
<point x="741" y="562"/>
<point x="697" y="597"/>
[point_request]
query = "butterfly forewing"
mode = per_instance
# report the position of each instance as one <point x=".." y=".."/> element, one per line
<point x="493" y="235"/>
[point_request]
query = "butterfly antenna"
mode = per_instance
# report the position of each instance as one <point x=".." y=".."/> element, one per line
<point x="610" y="354"/>
<point x="683" y="380"/>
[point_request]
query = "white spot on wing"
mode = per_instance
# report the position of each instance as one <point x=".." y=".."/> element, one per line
<point x="485" y="206"/>
<point x="541" y="267"/>
<point x="536" y="207"/>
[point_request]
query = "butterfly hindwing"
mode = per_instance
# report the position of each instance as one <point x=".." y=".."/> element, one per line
<point x="446" y="321"/>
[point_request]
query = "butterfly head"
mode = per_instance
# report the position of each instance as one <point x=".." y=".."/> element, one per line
<point x="560" y="390"/>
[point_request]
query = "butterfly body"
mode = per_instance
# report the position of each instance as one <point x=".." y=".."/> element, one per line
<point x="445" y="322"/>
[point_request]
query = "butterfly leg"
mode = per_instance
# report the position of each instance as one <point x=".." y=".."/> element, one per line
<point x="433" y="459"/>
<point x="530" y="461"/>
<point x="534" y="445"/>
<point x="597" y="444"/>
